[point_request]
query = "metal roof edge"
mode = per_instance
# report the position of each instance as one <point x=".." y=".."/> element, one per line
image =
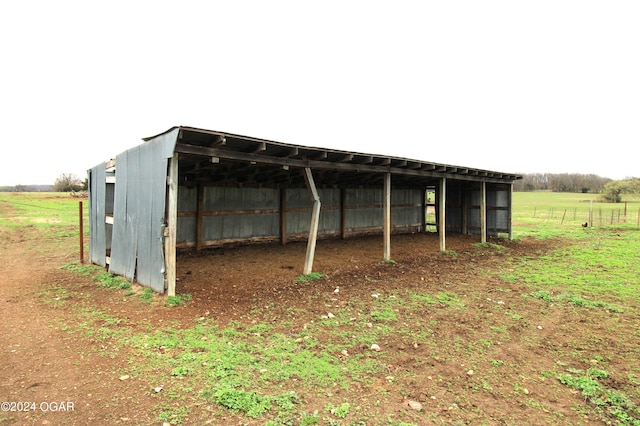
<point x="508" y="175"/>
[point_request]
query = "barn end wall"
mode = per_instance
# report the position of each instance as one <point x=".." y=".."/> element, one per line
<point x="127" y="212"/>
<point x="463" y="209"/>
<point x="232" y="214"/>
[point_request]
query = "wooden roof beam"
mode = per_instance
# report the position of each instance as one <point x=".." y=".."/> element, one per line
<point x="262" y="146"/>
<point x="345" y="159"/>
<point x="217" y="141"/>
<point x="321" y="155"/>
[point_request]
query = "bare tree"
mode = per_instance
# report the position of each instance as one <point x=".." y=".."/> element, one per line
<point x="67" y="182"/>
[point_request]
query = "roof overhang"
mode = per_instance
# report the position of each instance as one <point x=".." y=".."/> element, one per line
<point x="230" y="159"/>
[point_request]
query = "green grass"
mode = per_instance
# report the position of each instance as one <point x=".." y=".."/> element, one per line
<point x="552" y="214"/>
<point x="312" y="276"/>
<point x="42" y="210"/>
<point x="603" y="399"/>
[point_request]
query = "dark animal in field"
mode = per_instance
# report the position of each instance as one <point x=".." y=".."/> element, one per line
<point x="584" y="225"/>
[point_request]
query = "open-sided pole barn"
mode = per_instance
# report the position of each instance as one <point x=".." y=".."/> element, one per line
<point x="195" y="188"/>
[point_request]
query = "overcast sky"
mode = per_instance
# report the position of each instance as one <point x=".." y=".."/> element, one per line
<point x="514" y="86"/>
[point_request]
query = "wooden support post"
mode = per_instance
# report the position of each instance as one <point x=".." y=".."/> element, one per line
<point x="511" y="211"/>
<point x="343" y="213"/>
<point x="465" y="211"/>
<point x="315" y="220"/>
<point x="386" y="216"/>
<point x="442" y="202"/>
<point x="483" y="212"/>
<point x="80" y="214"/>
<point x="172" y="217"/>
<point x="423" y="212"/>
<point x="199" y="212"/>
<point x="283" y="216"/>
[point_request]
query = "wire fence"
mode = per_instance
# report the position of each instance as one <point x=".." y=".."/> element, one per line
<point x="589" y="216"/>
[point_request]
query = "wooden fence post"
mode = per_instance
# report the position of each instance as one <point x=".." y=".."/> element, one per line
<point x="80" y="214"/>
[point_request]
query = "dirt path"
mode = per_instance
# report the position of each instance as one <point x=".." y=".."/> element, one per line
<point x="50" y="374"/>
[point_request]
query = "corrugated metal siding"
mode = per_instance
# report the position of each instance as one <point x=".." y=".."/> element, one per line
<point x="236" y="214"/>
<point x="224" y="225"/>
<point x="498" y="215"/>
<point x="454" y="205"/>
<point x="97" y="194"/>
<point x="139" y="211"/>
<point x="299" y="200"/>
<point x="125" y="226"/>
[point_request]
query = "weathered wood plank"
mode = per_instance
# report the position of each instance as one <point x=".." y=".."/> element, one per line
<point x="442" y="202"/>
<point x="172" y="219"/>
<point x="315" y="220"/>
<point x="386" y="216"/>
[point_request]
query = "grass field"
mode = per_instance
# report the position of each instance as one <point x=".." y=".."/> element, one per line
<point x="542" y="330"/>
<point x="558" y="212"/>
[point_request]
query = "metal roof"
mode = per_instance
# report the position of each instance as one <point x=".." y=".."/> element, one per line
<point x="230" y="159"/>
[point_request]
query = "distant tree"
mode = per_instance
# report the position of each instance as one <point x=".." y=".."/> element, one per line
<point x="612" y="191"/>
<point x="67" y="182"/>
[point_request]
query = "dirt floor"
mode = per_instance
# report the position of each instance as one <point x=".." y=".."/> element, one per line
<point x="41" y="362"/>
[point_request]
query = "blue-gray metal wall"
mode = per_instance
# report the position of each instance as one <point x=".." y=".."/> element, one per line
<point x="240" y="214"/>
<point x="465" y="200"/>
<point x="136" y="204"/>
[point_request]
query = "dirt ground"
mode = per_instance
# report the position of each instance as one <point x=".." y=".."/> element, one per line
<point x="41" y="362"/>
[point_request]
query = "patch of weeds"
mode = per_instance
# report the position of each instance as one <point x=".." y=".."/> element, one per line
<point x="389" y="262"/>
<point x="497" y="247"/>
<point x="513" y="315"/>
<point x="542" y="295"/>
<point x="252" y="404"/>
<point x="54" y="295"/>
<point x="449" y="299"/>
<point x="496" y="362"/>
<point x="574" y="300"/>
<point x="112" y="282"/>
<point x="309" y="277"/>
<point x="178" y="299"/>
<point x="387" y="314"/>
<point x="423" y="298"/>
<point x="146" y="295"/>
<point x="259" y="329"/>
<point x="310" y="419"/>
<point x="341" y="411"/>
<point x="597" y="373"/>
<point x="173" y="415"/>
<point x="80" y="269"/>
<point x="607" y="401"/>
<point x="452" y="253"/>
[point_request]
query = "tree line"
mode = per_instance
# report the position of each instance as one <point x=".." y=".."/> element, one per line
<point x="609" y="189"/>
<point x="561" y="182"/>
<point x="65" y="182"/>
